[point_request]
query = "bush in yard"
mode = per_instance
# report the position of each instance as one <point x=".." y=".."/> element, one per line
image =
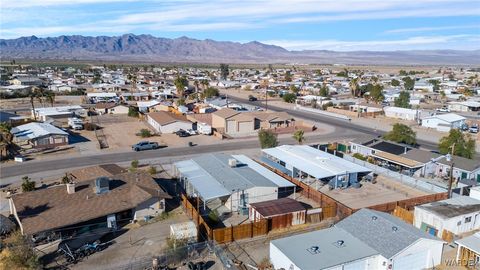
<point x="289" y="98"/>
<point x="27" y="184"/>
<point x="267" y="138"/>
<point x="145" y="133"/>
<point x="152" y="170"/>
<point x="133" y="165"/>
<point x="133" y="112"/>
<point x="18" y="253"/>
<point x="359" y="156"/>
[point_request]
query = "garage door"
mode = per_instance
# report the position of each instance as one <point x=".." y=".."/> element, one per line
<point x="358" y="265"/>
<point x="412" y="261"/>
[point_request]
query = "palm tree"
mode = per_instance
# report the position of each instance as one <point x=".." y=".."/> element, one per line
<point x="50" y="97"/>
<point x="133" y="79"/>
<point x="6" y="139"/>
<point x="298" y="136"/>
<point x="196" y="83"/>
<point x="354" y="87"/>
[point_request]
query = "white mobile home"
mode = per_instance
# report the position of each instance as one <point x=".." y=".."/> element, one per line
<point x="401" y="113"/>
<point x="444" y="122"/>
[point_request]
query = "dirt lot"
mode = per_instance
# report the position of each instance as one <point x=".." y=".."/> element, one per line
<point x="385" y="190"/>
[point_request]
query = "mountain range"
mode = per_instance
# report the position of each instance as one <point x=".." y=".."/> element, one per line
<point x="147" y="48"/>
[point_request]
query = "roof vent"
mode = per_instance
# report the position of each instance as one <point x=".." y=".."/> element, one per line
<point x="102" y="185"/>
<point x="339" y="243"/>
<point x="314" y="250"/>
<point x="394" y="229"/>
<point x="232" y="162"/>
<point x="374" y="217"/>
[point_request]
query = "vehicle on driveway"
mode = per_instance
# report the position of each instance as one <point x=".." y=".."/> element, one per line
<point x="191" y="132"/>
<point x="444" y="109"/>
<point x="145" y="145"/>
<point x="252" y="98"/>
<point x="182" y="133"/>
<point x="473" y="129"/>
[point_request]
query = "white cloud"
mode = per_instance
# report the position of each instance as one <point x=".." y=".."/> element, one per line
<point x="421" y="42"/>
<point x="430" y="29"/>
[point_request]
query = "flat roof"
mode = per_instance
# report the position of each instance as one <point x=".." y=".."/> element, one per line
<point x="277" y="207"/>
<point x="314" y="162"/>
<point x="321" y="249"/>
<point x="36" y="130"/>
<point x="452" y="207"/>
<point x="212" y="177"/>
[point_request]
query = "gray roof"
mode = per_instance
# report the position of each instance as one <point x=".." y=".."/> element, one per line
<point x="462" y="163"/>
<point x="212" y="177"/>
<point x="6" y="116"/>
<point x="472" y="242"/>
<point x="36" y="130"/>
<point x="452" y="207"/>
<point x="381" y="231"/>
<point x="420" y="155"/>
<point x="297" y="249"/>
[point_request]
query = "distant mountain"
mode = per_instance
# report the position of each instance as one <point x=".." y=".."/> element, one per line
<point x="147" y="48"/>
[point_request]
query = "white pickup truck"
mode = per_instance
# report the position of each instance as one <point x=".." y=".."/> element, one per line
<point x="75" y="123"/>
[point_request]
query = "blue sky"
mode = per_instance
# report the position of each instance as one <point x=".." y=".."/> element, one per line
<point x="342" y="25"/>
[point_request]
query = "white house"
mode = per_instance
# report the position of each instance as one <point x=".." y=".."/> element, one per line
<point x="43" y="114"/>
<point x="468" y="251"/>
<point x="465" y="106"/>
<point x="475" y="192"/>
<point x="401" y="113"/>
<point x="465" y="170"/>
<point x="367" y="239"/>
<point x="232" y="182"/>
<point x="166" y="122"/>
<point x="457" y="215"/>
<point x="444" y="122"/>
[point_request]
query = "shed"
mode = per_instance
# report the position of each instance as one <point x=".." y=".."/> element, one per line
<point x="283" y="212"/>
<point x="457" y="215"/>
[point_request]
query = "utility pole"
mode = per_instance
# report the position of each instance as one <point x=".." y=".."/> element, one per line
<point x="450" y="181"/>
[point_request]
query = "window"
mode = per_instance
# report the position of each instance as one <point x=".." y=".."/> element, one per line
<point x="468" y="219"/>
<point x="459" y="223"/>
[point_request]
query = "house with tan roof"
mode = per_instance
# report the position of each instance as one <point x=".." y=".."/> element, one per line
<point x="102" y="201"/>
<point x="166" y="122"/>
<point x="232" y="122"/>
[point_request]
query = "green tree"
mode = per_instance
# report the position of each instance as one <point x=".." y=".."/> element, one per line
<point x="27" y="184"/>
<point x="145" y="133"/>
<point x="403" y="72"/>
<point x="376" y="94"/>
<point x="133" y="111"/>
<point x="289" y="97"/>
<point x="323" y="91"/>
<point x="402" y="134"/>
<point x="18" y="253"/>
<point x="435" y="83"/>
<point x="180" y="83"/>
<point x="403" y="100"/>
<point x="288" y="76"/>
<point x="464" y="144"/>
<point x="267" y="138"/>
<point x="408" y="83"/>
<point x="211" y="92"/>
<point x="299" y="136"/>
<point x="224" y="71"/>
<point x="152" y="170"/>
<point x="134" y="165"/>
<point x="294" y="89"/>
<point x="395" y="82"/>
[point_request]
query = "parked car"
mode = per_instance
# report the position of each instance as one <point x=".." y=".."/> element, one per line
<point x="182" y="133"/>
<point x="75" y="123"/>
<point x="252" y="98"/>
<point x="145" y="145"/>
<point x="443" y="109"/>
<point x="473" y="129"/>
<point x="191" y="132"/>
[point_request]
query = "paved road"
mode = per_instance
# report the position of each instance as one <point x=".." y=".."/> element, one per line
<point x="338" y="123"/>
<point x="35" y="166"/>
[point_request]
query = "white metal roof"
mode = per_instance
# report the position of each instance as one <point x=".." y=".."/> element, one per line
<point x="399" y="110"/>
<point x="472" y="242"/>
<point x="35" y="130"/>
<point x="102" y="94"/>
<point x="149" y="103"/>
<point x="58" y="110"/>
<point x="448" y="117"/>
<point x="314" y="162"/>
<point x="275" y="178"/>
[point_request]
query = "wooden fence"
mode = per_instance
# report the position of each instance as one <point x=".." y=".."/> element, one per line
<point x="403" y="214"/>
<point x="204" y="230"/>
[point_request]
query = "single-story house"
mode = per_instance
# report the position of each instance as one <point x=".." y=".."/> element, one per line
<point x="40" y="135"/>
<point x="233" y="122"/>
<point x="147" y="106"/>
<point x="95" y="97"/>
<point x="466" y="171"/>
<point x="166" y="122"/>
<point x="468" y="250"/>
<point x="308" y="163"/>
<point x="284" y="206"/>
<point x="444" y="122"/>
<point x="464" y="106"/>
<point x="63" y="112"/>
<point x="402" y="113"/>
<point x="367" y="239"/>
<point x="457" y="215"/>
<point x="233" y="181"/>
<point x="118" y="199"/>
<point x="111" y="108"/>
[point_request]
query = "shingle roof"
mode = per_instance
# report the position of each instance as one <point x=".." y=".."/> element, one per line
<point x="165" y="118"/>
<point x="462" y="163"/>
<point x="53" y="208"/>
<point x="89" y="173"/>
<point x="225" y="113"/>
<point x="381" y="231"/>
<point x="420" y="155"/>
